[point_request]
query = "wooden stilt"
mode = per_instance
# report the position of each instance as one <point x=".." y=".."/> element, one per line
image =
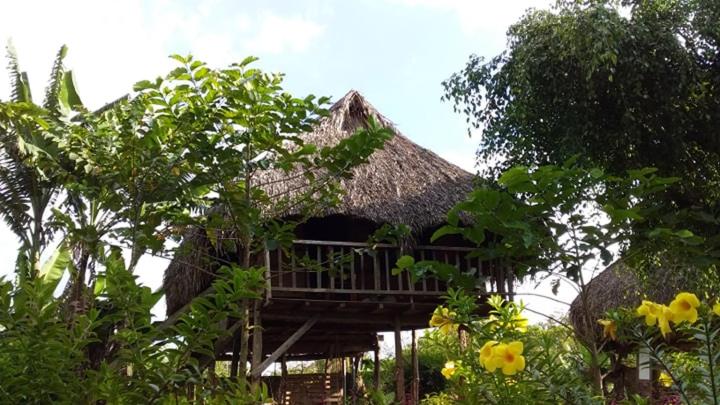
<point x="235" y="355"/>
<point x="244" y="341"/>
<point x="344" y="380"/>
<point x="283" y="381"/>
<point x="257" y="340"/>
<point x="415" y="371"/>
<point x="399" y="366"/>
<point x="354" y="386"/>
<point x="376" y="369"/>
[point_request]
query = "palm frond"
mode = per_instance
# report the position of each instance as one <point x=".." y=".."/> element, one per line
<point x="52" y="92"/>
<point x="20" y="86"/>
<point x="14" y="196"/>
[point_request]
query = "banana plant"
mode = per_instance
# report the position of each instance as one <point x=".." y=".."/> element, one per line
<point x="27" y="192"/>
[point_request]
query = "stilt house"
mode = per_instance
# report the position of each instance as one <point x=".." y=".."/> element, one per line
<point x="338" y="313"/>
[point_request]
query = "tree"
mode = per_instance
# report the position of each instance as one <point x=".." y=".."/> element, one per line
<point x="623" y="85"/>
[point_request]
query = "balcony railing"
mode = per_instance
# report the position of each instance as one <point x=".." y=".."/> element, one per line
<point x="316" y="266"/>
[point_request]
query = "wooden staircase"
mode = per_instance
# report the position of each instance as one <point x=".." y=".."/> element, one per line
<point x="311" y="389"/>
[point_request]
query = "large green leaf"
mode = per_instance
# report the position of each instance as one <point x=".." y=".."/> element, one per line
<point x="68" y="97"/>
<point x="54" y="268"/>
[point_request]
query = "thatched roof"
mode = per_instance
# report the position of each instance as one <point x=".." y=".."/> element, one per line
<point x="402" y="183"/>
<point x="619" y="286"/>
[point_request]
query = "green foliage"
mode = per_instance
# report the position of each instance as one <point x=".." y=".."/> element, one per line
<point x="193" y="148"/>
<point x="46" y="360"/>
<point x="618" y="84"/>
<point x="623" y="84"/>
<point x="558" y="220"/>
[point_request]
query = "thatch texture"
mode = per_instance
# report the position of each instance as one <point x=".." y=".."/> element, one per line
<point x="403" y="183"/>
<point x="619" y="286"/>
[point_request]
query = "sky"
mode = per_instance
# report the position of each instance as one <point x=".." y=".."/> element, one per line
<point x="395" y="52"/>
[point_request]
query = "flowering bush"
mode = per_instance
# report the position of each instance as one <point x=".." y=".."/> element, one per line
<point x="686" y="352"/>
<point x="501" y="360"/>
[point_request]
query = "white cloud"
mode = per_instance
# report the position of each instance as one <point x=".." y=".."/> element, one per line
<point x="480" y="17"/>
<point x="114" y="44"/>
<point x="277" y="34"/>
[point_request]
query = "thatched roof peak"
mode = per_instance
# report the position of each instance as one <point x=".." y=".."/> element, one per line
<point x="403" y="183"/>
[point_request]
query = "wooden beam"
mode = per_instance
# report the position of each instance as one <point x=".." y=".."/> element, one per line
<point x="257" y="371"/>
<point x="317" y="356"/>
<point x="399" y="369"/>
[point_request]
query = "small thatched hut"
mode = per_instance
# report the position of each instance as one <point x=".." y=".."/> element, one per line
<point x="402" y="184"/>
<point x="619" y="286"/>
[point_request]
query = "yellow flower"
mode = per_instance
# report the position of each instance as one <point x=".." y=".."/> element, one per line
<point x="609" y="328"/>
<point x="666" y="315"/>
<point x="508" y="358"/>
<point x="449" y="370"/>
<point x="665" y="380"/>
<point x="651" y="311"/>
<point x="520" y="323"/>
<point x="486" y="353"/>
<point x="684" y="308"/>
<point x="443" y="319"/>
<point x="716" y="308"/>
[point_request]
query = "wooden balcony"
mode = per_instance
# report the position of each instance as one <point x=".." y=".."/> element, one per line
<point x="353" y="271"/>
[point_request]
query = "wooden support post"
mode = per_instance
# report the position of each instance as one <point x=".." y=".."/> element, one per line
<point x="415" y="371"/>
<point x="399" y="366"/>
<point x="283" y="381"/>
<point x="257" y="339"/>
<point x="344" y="379"/>
<point x="235" y="355"/>
<point x="257" y="371"/>
<point x="354" y="386"/>
<point x="244" y="341"/>
<point x="376" y="369"/>
<point x="268" y="280"/>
